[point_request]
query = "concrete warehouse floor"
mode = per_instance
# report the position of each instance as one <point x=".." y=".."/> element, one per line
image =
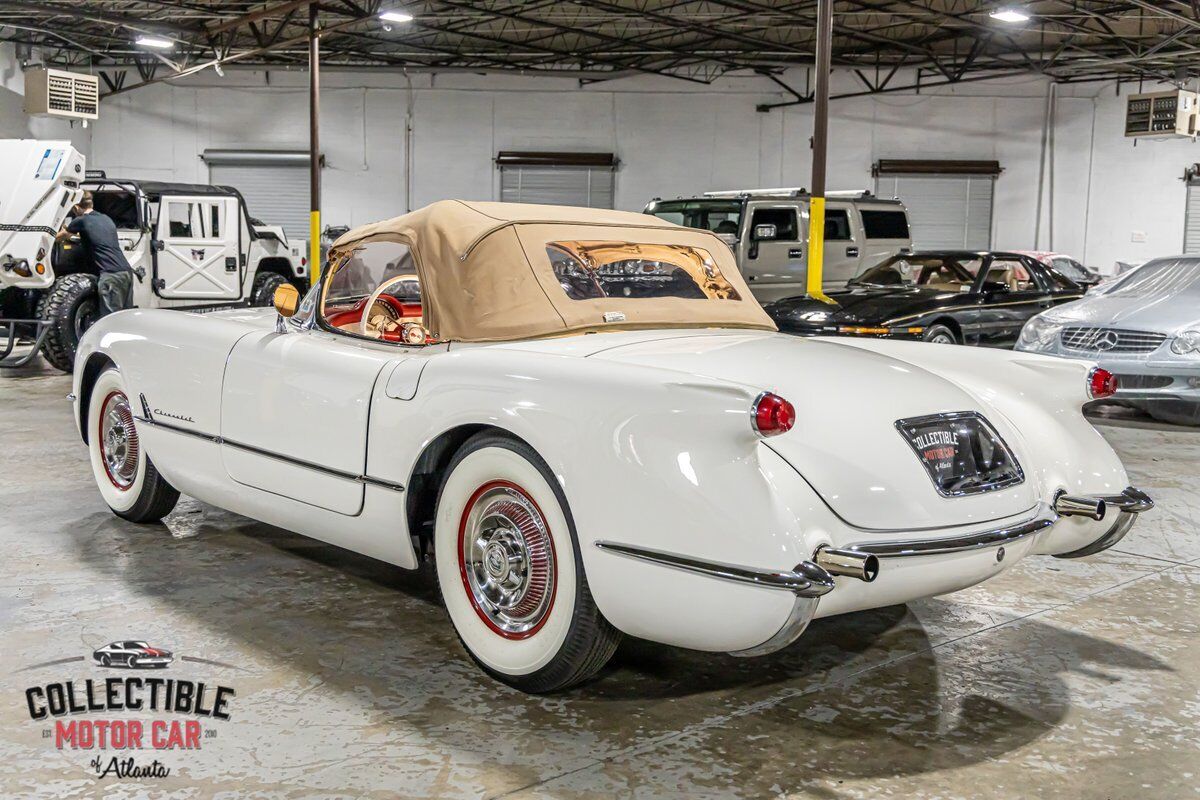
<point x="1073" y="679"/>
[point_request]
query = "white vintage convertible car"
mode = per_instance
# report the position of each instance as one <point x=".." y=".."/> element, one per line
<point x="588" y="423"/>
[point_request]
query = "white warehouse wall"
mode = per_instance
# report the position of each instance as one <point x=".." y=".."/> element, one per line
<point x="671" y="137"/>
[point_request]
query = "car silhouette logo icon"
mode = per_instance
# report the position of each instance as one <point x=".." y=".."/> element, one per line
<point x="132" y="654"/>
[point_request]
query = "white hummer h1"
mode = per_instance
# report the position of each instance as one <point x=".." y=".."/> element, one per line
<point x="768" y="231"/>
<point x="188" y="245"/>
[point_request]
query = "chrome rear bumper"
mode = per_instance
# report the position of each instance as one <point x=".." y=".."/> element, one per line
<point x="1128" y="505"/>
<point x="808" y="581"/>
<point x="1131" y="501"/>
<point x="958" y="544"/>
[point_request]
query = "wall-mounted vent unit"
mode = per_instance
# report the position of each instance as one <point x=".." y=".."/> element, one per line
<point x="57" y="93"/>
<point x="1161" y="114"/>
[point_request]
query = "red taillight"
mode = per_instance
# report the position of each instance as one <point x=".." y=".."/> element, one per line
<point x="1101" y="383"/>
<point x="773" y="415"/>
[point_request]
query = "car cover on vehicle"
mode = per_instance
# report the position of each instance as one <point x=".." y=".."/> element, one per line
<point x="502" y="271"/>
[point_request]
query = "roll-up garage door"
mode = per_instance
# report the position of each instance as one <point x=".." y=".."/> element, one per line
<point x="1191" y="227"/>
<point x="952" y="211"/>
<point x="949" y="202"/>
<point x="275" y="185"/>
<point x="564" y="179"/>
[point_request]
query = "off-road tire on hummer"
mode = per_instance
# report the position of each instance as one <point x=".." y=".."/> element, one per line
<point x="72" y="304"/>
<point x="265" y="284"/>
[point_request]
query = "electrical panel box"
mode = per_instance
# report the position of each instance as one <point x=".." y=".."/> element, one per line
<point x="1162" y="114"/>
<point x="58" y="93"/>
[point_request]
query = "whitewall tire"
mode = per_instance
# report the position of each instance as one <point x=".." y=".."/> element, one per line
<point x="124" y="474"/>
<point x="510" y="572"/>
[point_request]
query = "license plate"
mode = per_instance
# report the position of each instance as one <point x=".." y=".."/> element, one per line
<point x="961" y="452"/>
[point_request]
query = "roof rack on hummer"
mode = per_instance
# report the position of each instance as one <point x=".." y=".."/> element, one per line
<point x="792" y="191"/>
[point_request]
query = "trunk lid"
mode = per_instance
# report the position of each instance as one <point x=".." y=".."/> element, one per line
<point x="848" y="401"/>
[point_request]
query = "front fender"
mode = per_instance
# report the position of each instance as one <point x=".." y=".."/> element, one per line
<point x="146" y="345"/>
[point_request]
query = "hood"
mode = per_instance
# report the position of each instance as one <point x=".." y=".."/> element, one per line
<point x="845" y="442"/>
<point x="250" y="316"/>
<point x="858" y="305"/>
<point x="1159" y="313"/>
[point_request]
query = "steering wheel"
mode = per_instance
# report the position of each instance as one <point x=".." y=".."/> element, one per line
<point x="366" y="326"/>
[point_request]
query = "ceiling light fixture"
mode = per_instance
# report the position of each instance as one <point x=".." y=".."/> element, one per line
<point x="395" y="16"/>
<point x="154" y="41"/>
<point x="1009" y="15"/>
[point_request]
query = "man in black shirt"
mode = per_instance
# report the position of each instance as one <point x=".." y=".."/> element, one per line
<point x="99" y="235"/>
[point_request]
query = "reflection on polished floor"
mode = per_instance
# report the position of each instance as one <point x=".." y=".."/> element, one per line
<point x="1072" y="679"/>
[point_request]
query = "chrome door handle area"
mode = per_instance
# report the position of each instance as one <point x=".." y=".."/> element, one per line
<point x="795" y="252"/>
<point x="852" y="251"/>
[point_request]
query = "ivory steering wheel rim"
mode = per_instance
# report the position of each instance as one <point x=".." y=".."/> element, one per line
<point x="364" y="324"/>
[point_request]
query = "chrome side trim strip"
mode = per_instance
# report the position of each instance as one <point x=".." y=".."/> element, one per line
<point x="806" y="580"/>
<point x="957" y="544"/>
<point x="363" y="479"/>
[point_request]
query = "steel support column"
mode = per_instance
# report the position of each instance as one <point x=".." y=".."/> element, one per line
<point x="816" y="209"/>
<point x="314" y="145"/>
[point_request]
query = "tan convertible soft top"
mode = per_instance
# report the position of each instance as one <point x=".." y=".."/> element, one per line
<point x="486" y="272"/>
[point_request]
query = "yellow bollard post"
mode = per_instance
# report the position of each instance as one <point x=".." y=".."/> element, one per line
<point x="314" y="247"/>
<point x="816" y="250"/>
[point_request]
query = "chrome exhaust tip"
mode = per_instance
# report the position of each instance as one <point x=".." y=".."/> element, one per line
<point x="1071" y="506"/>
<point x="850" y="563"/>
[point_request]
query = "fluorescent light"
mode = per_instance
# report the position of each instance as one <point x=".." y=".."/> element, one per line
<point x="395" y="16"/>
<point x="154" y="41"/>
<point x="1009" y="15"/>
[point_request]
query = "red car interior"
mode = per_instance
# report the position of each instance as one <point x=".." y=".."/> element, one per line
<point x="351" y="318"/>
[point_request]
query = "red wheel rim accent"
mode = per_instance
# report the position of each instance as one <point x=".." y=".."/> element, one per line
<point x="463" y="569"/>
<point x="132" y="443"/>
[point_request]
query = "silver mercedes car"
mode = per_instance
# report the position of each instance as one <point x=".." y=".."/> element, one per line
<point x="1145" y="329"/>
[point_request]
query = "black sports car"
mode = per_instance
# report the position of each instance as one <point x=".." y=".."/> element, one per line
<point x="948" y="296"/>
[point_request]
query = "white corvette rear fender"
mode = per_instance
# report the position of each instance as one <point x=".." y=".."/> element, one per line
<point x="665" y="461"/>
<point x="1063" y="451"/>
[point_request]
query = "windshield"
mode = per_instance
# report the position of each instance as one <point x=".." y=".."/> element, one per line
<point x="368" y="267"/>
<point x="948" y="273"/>
<point x="118" y="205"/>
<point x="718" y="216"/>
<point x="1159" y="278"/>
<point x="1069" y="268"/>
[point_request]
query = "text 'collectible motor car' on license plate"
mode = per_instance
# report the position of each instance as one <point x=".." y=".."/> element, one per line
<point x="593" y="429"/>
<point x="962" y="453"/>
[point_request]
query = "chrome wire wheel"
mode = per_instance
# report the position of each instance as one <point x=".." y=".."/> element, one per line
<point x="119" y="445"/>
<point x="506" y="559"/>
